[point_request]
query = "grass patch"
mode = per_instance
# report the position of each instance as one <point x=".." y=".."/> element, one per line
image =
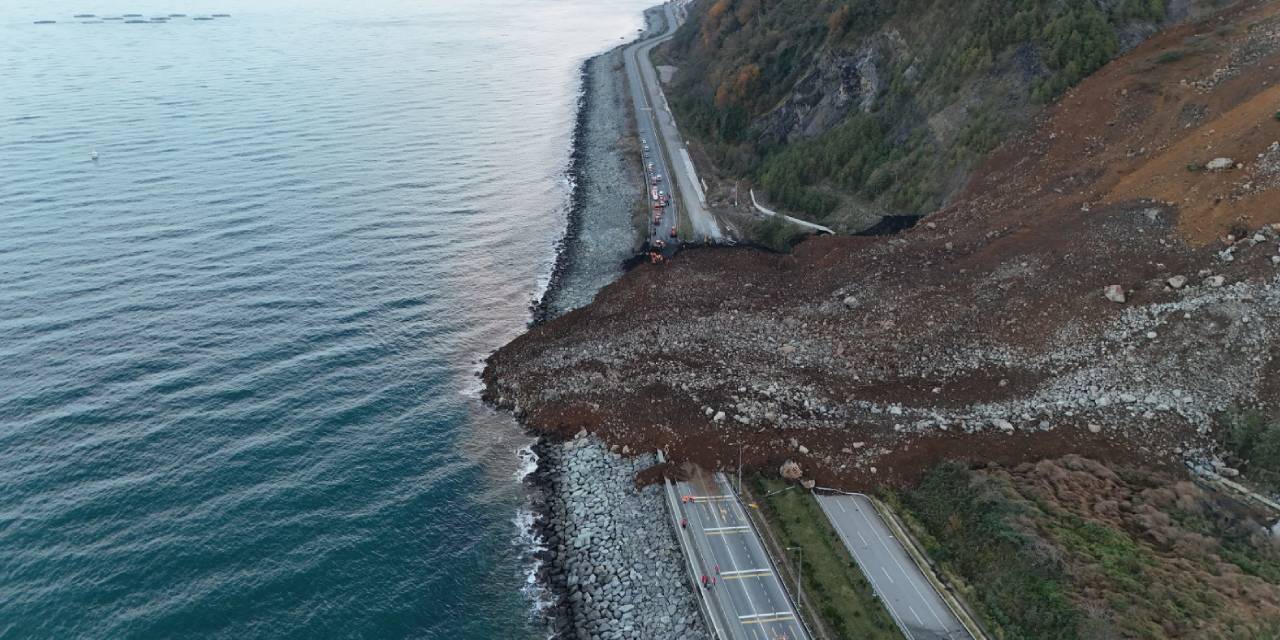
<point x="776" y="233"/>
<point x="968" y="522"/>
<point x="1172" y="55"/>
<point x="832" y="580"/>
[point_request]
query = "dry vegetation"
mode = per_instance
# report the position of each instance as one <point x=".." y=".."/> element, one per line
<point x="1070" y="548"/>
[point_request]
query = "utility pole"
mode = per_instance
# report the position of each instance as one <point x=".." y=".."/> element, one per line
<point x="799" y="569"/>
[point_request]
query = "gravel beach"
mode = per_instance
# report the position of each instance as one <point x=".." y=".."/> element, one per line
<point x="605" y="168"/>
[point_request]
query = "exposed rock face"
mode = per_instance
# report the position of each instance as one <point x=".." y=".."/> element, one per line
<point x="839" y="83"/>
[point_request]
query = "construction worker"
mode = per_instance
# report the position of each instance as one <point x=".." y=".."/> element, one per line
<point x="704" y="581"/>
<point x="684" y="524"/>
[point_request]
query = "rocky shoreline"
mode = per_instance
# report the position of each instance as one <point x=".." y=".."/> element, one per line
<point x="604" y="168"/>
<point x="608" y="559"/>
<point x="609" y="555"/>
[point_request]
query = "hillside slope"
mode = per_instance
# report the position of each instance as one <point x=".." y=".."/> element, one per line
<point x="845" y="110"/>
<point x="990" y="332"/>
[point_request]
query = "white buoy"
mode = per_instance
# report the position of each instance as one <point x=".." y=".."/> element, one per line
<point x="93" y="155"/>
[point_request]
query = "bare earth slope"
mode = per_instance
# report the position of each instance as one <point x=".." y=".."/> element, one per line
<point x="984" y="333"/>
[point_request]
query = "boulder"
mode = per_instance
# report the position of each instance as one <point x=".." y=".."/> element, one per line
<point x="1219" y="164"/>
<point x="790" y="470"/>
<point x="1003" y="425"/>
<point x="1177" y="282"/>
<point x="1114" y="293"/>
<point x="1215" y="281"/>
<point x="808" y="483"/>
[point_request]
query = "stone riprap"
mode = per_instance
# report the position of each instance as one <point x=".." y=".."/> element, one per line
<point x="612" y="559"/>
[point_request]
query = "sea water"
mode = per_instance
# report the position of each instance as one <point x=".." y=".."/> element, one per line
<point x="248" y="267"/>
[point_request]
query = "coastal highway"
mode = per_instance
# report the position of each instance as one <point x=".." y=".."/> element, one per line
<point x="748" y="597"/>
<point x="657" y="127"/>
<point x="915" y="606"/>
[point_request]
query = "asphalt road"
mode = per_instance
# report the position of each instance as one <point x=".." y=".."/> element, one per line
<point x="657" y="128"/>
<point x="910" y="598"/>
<point x="748" y="597"/>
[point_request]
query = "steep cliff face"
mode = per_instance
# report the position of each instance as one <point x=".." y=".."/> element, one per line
<point x="840" y="82"/>
<point x="840" y="107"/>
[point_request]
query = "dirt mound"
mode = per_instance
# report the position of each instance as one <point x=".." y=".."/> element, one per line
<point x="992" y="331"/>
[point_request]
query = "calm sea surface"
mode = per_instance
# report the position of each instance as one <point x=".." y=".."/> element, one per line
<point x="237" y="351"/>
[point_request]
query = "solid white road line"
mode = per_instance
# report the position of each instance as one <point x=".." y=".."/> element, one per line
<point x="725" y="529"/>
<point x="914" y="587"/>
<point x="844" y="537"/>
<point x="741" y="571"/>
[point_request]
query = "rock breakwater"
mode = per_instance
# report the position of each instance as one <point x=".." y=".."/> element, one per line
<point x="611" y="556"/>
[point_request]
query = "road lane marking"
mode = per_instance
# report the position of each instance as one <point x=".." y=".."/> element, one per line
<point x="775" y="614"/>
<point x="844" y="537"/>
<point x="737" y="527"/>
<point x="913" y="612"/>
<point x="723" y="597"/>
<point x="914" y="587"/>
<point x="733" y="566"/>
<point x="786" y="618"/>
<point x="755" y="549"/>
<point x="886" y="574"/>
<point x="744" y="572"/>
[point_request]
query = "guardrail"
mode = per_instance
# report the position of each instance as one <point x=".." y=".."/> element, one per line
<point x="796" y="221"/>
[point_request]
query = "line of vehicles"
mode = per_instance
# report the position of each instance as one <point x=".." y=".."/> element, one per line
<point x="658" y="197"/>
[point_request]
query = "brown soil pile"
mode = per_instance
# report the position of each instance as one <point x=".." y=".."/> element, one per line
<point x="984" y="334"/>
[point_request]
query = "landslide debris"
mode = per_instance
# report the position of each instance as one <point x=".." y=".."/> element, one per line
<point x="995" y="331"/>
